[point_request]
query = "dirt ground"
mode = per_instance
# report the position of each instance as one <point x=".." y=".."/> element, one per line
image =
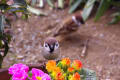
<point x="103" y="52"/>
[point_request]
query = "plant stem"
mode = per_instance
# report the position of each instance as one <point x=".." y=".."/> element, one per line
<point x="1" y="60"/>
<point x="5" y="51"/>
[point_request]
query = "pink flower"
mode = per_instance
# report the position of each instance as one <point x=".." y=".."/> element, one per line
<point x="39" y="75"/>
<point x="18" y="68"/>
<point x="21" y="75"/>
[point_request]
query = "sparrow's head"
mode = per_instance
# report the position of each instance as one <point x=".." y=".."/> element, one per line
<point x="78" y="19"/>
<point x="51" y="44"/>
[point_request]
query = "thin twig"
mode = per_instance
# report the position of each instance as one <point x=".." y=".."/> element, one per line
<point x="83" y="53"/>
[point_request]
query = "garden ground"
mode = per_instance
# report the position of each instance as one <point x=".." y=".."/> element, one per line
<point x="103" y="52"/>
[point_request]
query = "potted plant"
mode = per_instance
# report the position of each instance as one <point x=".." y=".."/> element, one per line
<point x="64" y="69"/>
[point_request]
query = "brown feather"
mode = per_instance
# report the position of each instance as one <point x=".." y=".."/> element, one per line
<point x="50" y="40"/>
<point x="69" y="26"/>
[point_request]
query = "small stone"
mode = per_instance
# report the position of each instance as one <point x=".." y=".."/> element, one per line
<point x="20" y="57"/>
<point x="101" y="35"/>
<point x="48" y="32"/>
<point x="11" y="58"/>
<point x="2" y="53"/>
<point x="19" y="29"/>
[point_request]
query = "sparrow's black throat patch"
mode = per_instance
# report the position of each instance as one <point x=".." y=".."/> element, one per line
<point x="51" y="47"/>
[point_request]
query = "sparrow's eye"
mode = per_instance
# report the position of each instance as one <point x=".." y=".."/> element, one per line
<point x="45" y="45"/>
<point x="57" y="45"/>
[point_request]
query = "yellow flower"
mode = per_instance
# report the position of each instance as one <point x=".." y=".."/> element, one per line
<point x="57" y="74"/>
<point x="76" y="76"/>
<point x="38" y="78"/>
<point x="66" y="62"/>
<point x="77" y="64"/>
<point x="50" y="65"/>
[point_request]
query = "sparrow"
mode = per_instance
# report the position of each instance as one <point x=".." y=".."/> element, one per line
<point x="70" y="25"/>
<point x="51" y="50"/>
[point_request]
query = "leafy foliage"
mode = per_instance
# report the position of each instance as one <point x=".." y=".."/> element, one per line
<point x="66" y="69"/>
<point x="103" y="6"/>
<point x="89" y="5"/>
<point x="75" y="5"/>
<point x="88" y="8"/>
<point x="7" y="7"/>
<point x="116" y="18"/>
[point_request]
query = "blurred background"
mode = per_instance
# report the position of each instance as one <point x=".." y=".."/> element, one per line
<point x="24" y="24"/>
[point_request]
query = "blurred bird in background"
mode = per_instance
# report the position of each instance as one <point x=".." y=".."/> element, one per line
<point x="69" y="25"/>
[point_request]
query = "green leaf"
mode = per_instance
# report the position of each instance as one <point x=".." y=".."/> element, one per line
<point x="30" y="74"/>
<point x="50" y="3"/>
<point x="116" y="3"/>
<point x="61" y="4"/>
<point x="3" y="1"/>
<point x="36" y="11"/>
<point x="71" y="2"/>
<point x="23" y="2"/>
<point x="1" y="44"/>
<point x="87" y="9"/>
<point x="88" y="74"/>
<point x="116" y="18"/>
<point x="6" y="47"/>
<point x="25" y="16"/>
<point x="59" y="64"/>
<point x="17" y="7"/>
<point x="74" y="6"/>
<point x="2" y="20"/>
<point x="104" y="5"/>
<point x="33" y="2"/>
<point x="41" y="3"/>
<point x="11" y="78"/>
<point x="14" y="10"/>
<point x="3" y="6"/>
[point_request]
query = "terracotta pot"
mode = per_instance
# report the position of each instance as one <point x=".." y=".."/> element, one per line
<point x="5" y="76"/>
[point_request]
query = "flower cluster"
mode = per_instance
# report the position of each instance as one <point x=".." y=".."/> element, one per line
<point x="20" y="72"/>
<point x="64" y="69"/>
<point x="56" y="72"/>
<point x="39" y="75"/>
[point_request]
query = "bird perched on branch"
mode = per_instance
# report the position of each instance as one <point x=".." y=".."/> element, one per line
<point x="69" y="25"/>
<point x="51" y="50"/>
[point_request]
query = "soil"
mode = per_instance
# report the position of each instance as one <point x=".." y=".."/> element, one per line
<point x="103" y="51"/>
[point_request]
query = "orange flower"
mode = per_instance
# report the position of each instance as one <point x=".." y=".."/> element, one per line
<point x="51" y="64"/>
<point x="70" y="69"/>
<point x="66" y="61"/>
<point x="77" y="64"/>
<point x="59" y="76"/>
<point x="76" y="76"/>
<point x="57" y="69"/>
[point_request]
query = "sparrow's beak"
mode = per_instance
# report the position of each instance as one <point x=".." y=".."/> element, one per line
<point x="51" y="48"/>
